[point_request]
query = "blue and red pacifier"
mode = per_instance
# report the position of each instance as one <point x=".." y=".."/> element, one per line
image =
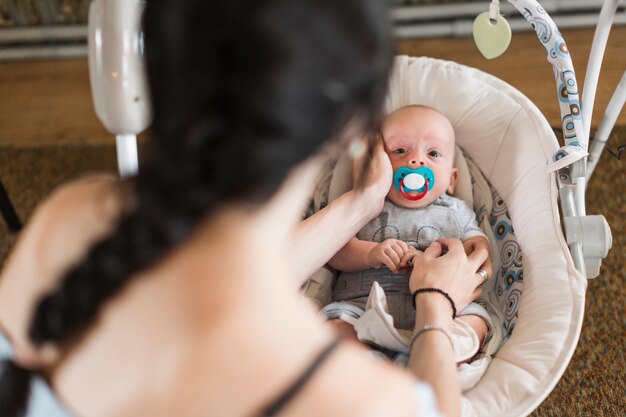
<point x="408" y="180"/>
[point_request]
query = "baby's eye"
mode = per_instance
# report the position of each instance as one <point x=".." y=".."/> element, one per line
<point x="399" y="151"/>
<point x="434" y="154"/>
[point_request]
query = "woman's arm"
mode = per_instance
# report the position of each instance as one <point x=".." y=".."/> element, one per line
<point x="432" y="356"/>
<point x="322" y="235"/>
<point x="58" y="233"/>
<point x="479" y="242"/>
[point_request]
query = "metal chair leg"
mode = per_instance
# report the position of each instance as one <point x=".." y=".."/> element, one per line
<point x="8" y="211"/>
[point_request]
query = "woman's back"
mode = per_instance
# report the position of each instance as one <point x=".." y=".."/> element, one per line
<point x="195" y="335"/>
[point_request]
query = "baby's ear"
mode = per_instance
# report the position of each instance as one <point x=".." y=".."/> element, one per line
<point x="454" y="178"/>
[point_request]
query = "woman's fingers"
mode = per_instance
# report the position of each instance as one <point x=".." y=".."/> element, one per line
<point x="357" y="163"/>
<point x="487" y="266"/>
<point x="468" y="246"/>
<point x="406" y="258"/>
<point x="368" y="158"/>
<point x="478" y="257"/>
<point x="452" y="246"/>
<point x="376" y="154"/>
<point x="379" y="147"/>
<point x="445" y="265"/>
<point x="434" y="250"/>
<point x="477" y="293"/>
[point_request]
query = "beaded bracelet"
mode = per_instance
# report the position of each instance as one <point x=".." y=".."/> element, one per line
<point x="437" y="290"/>
<point x="428" y="327"/>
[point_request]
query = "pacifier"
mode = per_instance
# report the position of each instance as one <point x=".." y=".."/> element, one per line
<point x="408" y="180"/>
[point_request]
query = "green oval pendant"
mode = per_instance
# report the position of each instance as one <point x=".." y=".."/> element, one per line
<point x="492" y="39"/>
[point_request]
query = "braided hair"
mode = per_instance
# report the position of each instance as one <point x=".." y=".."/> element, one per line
<point x="242" y="91"/>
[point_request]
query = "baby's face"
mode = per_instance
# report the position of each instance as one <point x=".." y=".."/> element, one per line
<point x="416" y="137"/>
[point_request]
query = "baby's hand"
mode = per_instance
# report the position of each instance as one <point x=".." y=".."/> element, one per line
<point x="478" y="243"/>
<point x="392" y="253"/>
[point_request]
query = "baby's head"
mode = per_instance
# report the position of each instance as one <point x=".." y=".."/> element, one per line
<point x="415" y="137"/>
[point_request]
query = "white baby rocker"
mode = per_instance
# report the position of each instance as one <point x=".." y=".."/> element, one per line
<point x="117" y="73"/>
<point x="516" y="173"/>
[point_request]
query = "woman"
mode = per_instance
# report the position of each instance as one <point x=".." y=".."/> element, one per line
<point x="174" y="293"/>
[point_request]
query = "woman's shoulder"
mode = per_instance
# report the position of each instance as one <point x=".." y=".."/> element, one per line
<point x="57" y="235"/>
<point x="79" y="194"/>
<point x="61" y="228"/>
<point x="72" y="216"/>
<point x="75" y="213"/>
<point x="83" y="206"/>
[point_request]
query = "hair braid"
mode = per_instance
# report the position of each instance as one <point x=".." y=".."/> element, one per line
<point x="15" y="385"/>
<point x="166" y="211"/>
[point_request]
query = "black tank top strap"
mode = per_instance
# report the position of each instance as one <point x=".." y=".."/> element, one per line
<point x="276" y="406"/>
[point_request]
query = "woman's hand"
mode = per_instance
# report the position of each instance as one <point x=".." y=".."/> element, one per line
<point x="392" y="253"/>
<point x="479" y="243"/>
<point x="372" y="176"/>
<point x="445" y="265"/>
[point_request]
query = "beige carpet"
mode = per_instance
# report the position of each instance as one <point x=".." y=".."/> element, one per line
<point x="594" y="383"/>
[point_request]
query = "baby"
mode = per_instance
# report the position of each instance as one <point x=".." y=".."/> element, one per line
<point x="420" y="143"/>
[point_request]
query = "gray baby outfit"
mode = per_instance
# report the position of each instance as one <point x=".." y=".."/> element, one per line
<point x="446" y="217"/>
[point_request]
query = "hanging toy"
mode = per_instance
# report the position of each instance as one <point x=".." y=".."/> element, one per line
<point x="408" y="180"/>
<point x="492" y="33"/>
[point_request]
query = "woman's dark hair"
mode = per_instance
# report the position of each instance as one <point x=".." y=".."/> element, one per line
<point x="242" y="91"/>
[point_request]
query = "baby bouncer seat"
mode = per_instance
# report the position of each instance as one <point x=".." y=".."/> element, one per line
<point x="540" y="272"/>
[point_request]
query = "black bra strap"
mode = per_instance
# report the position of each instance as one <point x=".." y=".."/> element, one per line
<point x="277" y="405"/>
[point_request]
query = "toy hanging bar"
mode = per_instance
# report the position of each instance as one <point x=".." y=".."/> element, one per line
<point x="588" y="237"/>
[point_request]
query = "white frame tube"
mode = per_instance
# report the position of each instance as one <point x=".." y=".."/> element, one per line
<point x="569" y="207"/>
<point x="581" y="187"/>
<point x="127" y="160"/>
<point x="600" y="38"/>
<point x="613" y="109"/>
